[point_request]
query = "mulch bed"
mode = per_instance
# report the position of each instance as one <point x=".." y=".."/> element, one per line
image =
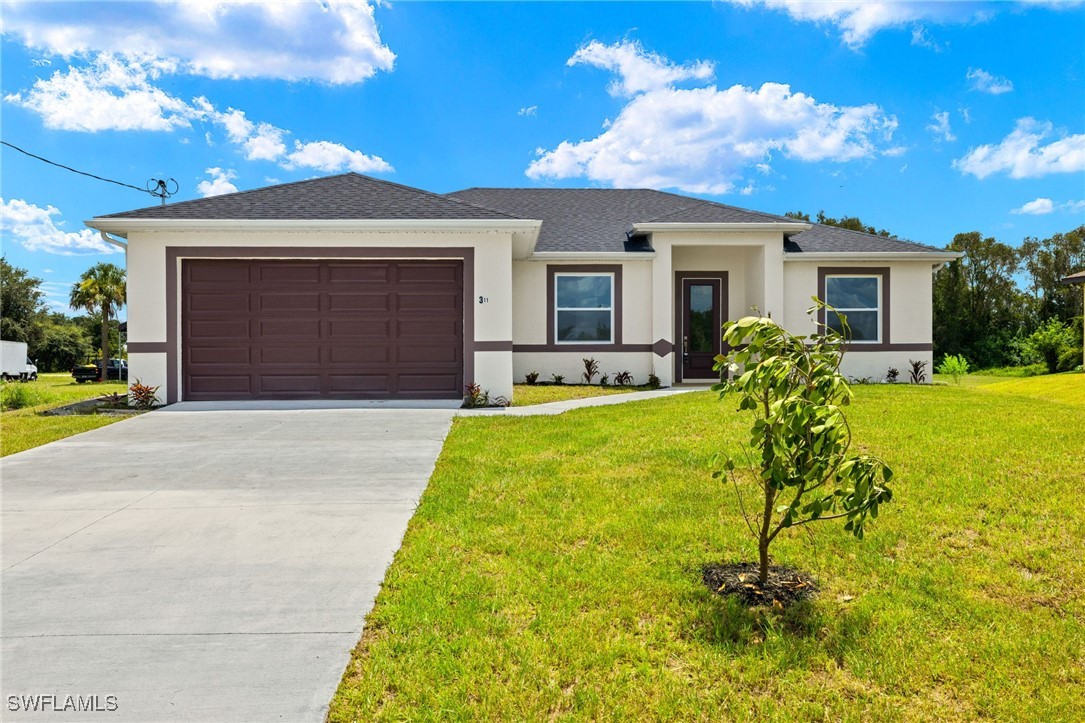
<point x="739" y="579"/>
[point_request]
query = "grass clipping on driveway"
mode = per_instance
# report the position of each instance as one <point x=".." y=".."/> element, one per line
<point x="553" y="570"/>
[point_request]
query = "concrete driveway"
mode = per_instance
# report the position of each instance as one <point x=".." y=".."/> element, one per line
<point x="199" y="564"/>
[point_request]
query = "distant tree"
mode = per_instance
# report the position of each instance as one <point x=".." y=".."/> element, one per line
<point x="1048" y="262"/>
<point x="101" y="289"/>
<point x="63" y="345"/>
<point x="852" y="223"/>
<point x="21" y="304"/>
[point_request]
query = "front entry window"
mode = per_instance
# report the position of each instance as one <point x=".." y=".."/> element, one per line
<point x="701" y="323"/>
<point x="857" y="298"/>
<point x="584" y="308"/>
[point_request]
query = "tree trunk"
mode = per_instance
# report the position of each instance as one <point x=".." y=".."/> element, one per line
<point x="104" y="372"/>
<point x="763" y="538"/>
<point x="763" y="548"/>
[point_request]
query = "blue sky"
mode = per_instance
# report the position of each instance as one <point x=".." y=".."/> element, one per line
<point x="926" y="118"/>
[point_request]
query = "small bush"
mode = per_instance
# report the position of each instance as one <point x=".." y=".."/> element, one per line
<point x="143" y="396"/>
<point x="604" y="381"/>
<point x="16" y="395"/>
<point x="917" y="373"/>
<point x="892" y="375"/>
<point x="1070" y="360"/>
<point x="654" y="382"/>
<point x="954" y="366"/>
<point x="1050" y="341"/>
<point x="532" y="378"/>
<point x="476" y="397"/>
<point x="591" y="368"/>
<point x="557" y="379"/>
<point x="623" y="379"/>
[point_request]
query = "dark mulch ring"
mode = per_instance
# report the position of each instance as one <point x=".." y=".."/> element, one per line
<point x="740" y="579"/>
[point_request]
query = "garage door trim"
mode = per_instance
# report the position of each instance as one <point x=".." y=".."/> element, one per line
<point x="173" y="298"/>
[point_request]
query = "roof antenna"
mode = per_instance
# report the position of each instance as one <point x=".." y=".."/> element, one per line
<point x="161" y="188"/>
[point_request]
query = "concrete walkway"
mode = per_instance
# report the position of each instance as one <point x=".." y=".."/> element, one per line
<point x="204" y="565"/>
<point x="562" y="407"/>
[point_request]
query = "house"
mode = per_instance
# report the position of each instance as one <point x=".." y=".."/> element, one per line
<point x="350" y="287"/>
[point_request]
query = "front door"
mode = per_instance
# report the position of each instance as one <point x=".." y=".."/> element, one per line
<point x="702" y="318"/>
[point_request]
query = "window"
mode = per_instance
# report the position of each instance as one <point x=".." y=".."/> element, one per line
<point x="584" y="308"/>
<point x="859" y="299"/>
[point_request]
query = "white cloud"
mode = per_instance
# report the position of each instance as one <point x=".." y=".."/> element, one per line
<point x="332" y="157"/>
<point x="34" y="228"/>
<point x="1038" y="207"/>
<point x="332" y="41"/>
<point x="859" y="20"/>
<point x="1043" y="206"/>
<point x="110" y="93"/>
<point x="939" y="126"/>
<point x="984" y="82"/>
<point x="1020" y="154"/>
<point x="116" y="94"/>
<point x="529" y="110"/>
<point x="637" y="70"/>
<point x="703" y="139"/>
<point x="922" y="38"/>
<point x="219" y="183"/>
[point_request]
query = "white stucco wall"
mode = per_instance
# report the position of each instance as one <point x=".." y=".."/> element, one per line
<point x="147" y="285"/>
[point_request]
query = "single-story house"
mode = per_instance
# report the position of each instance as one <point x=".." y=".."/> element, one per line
<point x="350" y="287"/>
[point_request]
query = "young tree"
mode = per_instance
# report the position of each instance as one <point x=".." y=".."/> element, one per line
<point x="102" y="290"/>
<point x="800" y="436"/>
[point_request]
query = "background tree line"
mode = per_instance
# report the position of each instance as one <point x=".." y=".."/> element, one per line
<point x="1000" y="305"/>
<point x="54" y="340"/>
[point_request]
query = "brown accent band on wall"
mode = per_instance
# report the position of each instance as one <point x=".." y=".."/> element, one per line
<point x="577" y="348"/>
<point x="173" y="268"/>
<point x="883" y="271"/>
<point x="551" y="300"/>
<point x="679" y="277"/>
<point x="493" y="346"/>
<point x="147" y="347"/>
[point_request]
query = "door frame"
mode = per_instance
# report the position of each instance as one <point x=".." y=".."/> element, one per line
<point x="680" y="277"/>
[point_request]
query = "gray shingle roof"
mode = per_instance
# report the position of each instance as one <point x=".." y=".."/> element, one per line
<point x="597" y="219"/>
<point x="824" y="239"/>
<point x="346" y="196"/>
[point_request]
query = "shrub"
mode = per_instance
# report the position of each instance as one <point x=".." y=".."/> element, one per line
<point x="557" y="379"/>
<point x="623" y="379"/>
<point x="800" y="441"/>
<point x="114" y="400"/>
<point x="892" y="375"/>
<point x="16" y="395"/>
<point x="476" y="397"/>
<point x="654" y="382"/>
<point x="143" y="396"/>
<point x="954" y="366"/>
<point x="917" y="375"/>
<point x="1070" y="360"/>
<point x="1050" y="341"/>
<point x="604" y="381"/>
<point x="591" y="368"/>
<point x="531" y="378"/>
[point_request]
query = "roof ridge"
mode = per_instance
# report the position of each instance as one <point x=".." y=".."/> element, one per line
<point x="443" y="197"/>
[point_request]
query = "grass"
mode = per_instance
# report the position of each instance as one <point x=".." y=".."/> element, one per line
<point x="527" y="394"/>
<point x="552" y="572"/>
<point x="1066" y="388"/>
<point x="25" y="428"/>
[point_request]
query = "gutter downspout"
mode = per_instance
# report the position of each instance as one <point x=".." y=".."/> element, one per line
<point x="114" y="241"/>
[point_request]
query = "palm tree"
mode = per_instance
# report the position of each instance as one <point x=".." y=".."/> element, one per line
<point x="100" y="290"/>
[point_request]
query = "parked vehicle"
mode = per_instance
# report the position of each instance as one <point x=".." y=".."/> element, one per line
<point x="117" y="369"/>
<point x="14" y="363"/>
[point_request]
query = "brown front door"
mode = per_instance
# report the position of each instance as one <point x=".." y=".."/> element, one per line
<point x="336" y="329"/>
<point x="702" y="317"/>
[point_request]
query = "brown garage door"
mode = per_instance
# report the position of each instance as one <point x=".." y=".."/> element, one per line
<point x="321" y="329"/>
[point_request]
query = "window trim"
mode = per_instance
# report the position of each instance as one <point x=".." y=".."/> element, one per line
<point x="612" y="270"/>
<point x="845" y="310"/>
<point x="882" y="274"/>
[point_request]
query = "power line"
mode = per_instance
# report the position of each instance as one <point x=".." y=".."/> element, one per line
<point x="159" y="191"/>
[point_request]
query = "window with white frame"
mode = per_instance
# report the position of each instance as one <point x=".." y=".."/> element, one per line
<point x="583" y="308"/>
<point x="858" y="299"/>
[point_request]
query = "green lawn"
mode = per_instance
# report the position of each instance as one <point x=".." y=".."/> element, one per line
<point x="526" y="394"/>
<point x="552" y="571"/>
<point x="25" y="428"/>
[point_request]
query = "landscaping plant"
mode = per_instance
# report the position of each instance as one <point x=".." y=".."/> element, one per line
<point x="143" y="396"/>
<point x="800" y="441"/>
<point x="475" y="396"/>
<point x="916" y="375"/>
<point x="557" y="379"/>
<point x="591" y="368"/>
<point x="954" y="366"/>
<point x="1050" y="341"/>
<point x="892" y="375"/>
<point x="531" y="378"/>
<point x="623" y="379"/>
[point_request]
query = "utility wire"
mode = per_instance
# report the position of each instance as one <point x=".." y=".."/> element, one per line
<point x="73" y="170"/>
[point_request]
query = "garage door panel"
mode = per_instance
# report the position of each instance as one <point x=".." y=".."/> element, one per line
<point x="220" y="355"/>
<point x="289" y="273"/>
<point x="304" y="329"/>
<point x="340" y="301"/>
<point x="267" y="301"/>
